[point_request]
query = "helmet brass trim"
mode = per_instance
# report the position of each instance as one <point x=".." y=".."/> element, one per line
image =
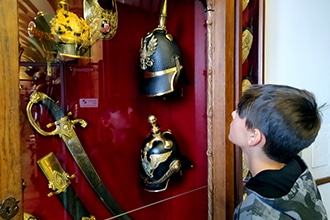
<point x="103" y="22"/>
<point x="160" y="73"/>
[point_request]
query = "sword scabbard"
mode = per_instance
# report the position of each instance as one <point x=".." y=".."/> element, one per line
<point x="59" y="182"/>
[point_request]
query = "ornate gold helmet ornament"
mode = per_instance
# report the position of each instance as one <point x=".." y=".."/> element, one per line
<point x="160" y="158"/>
<point x="102" y="17"/>
<point x="247" y="40"/>
<point x="245" y="4"/>
<point x="160" y="60"/>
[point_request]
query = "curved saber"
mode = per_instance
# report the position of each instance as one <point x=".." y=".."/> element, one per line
<point x="65" y="130"/>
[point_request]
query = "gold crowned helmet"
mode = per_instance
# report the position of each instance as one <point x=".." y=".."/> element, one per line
<point x="160" y="60"/>
<point x="71" y="33"/>
<point x="63" y="34"/>
<point x="160" y="158"/>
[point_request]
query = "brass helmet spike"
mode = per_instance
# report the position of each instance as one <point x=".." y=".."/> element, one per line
<point x="163" y="16"/>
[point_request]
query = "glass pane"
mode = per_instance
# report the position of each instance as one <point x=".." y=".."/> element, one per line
<point x="105" y="91"/>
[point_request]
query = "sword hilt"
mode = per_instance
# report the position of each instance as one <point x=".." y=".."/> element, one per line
<point x="63" y="124"/>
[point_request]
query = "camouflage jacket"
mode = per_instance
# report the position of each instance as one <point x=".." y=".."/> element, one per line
<point x="302" y="202"/>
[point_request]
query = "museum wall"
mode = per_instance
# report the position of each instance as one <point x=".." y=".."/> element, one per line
<point x="297" y="53"/>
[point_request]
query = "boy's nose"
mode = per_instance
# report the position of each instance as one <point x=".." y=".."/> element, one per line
<point x="233" y="114"/>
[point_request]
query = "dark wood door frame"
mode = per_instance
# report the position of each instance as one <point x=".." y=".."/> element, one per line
<point x="221" y="102"/>
<point x="10" y="150"/>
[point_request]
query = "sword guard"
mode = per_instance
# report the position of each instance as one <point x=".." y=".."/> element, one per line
<point x="82" y="122"/>
<point x="36" y="97"/>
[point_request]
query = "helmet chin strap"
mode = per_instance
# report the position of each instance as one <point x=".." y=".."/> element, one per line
<point x="178" y="68"/>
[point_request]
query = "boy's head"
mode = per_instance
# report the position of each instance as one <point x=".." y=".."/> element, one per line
<point x="288" y="117"/>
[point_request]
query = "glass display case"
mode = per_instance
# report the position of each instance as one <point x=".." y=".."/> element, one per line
<point x="252" y="21"/>
<point x="103" y="87"/>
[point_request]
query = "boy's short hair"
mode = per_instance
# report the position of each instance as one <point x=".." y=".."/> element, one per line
<point x="288" y="117"/>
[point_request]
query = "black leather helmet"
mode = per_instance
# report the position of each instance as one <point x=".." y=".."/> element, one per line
<point x="160" y="158"/>
<point x="160" y="60"/>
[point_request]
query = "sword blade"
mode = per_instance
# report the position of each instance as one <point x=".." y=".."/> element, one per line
<point x="74" y="146"/>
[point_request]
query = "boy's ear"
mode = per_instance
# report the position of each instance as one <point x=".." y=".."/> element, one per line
<point x="255" y="137"/>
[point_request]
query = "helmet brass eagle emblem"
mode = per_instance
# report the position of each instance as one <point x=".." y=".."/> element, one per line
<point x="146" y="51"/>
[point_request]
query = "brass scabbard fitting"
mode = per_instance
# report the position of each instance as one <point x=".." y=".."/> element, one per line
<point x="58" y="179"/>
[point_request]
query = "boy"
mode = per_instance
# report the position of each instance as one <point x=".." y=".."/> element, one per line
<point x="271" y="125"/>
